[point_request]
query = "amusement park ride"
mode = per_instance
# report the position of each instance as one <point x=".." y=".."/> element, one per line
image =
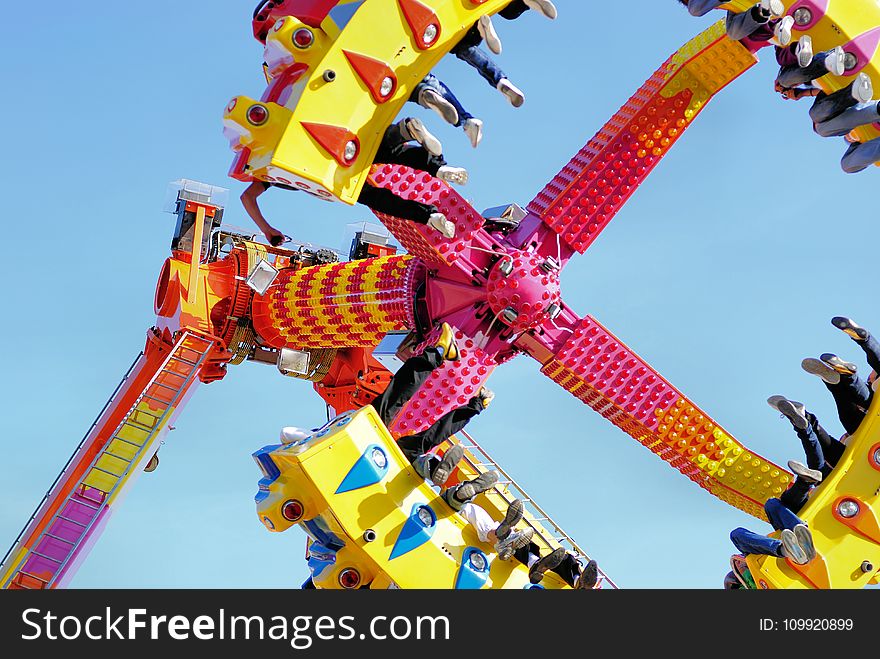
<point x="223" y="299"/>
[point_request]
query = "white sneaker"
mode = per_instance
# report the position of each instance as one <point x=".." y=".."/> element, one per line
<point x="420" y="134"/>
<point x="792" y="549"/>
<point x="836" y="61"/>
<point x="805" y="51"/>
<point x="772" y="7"/>
<point x="430" y="99"/>
<point x="782" y="31"/>
<point x="490" y="36"/>
<point x="513" y="94"/>
<point x="545" y="7"/>
<point x="457" y="175"/>
<point x="439" y="222"/>
<point x="863" y="88"/>
<point x="473" y="128"/>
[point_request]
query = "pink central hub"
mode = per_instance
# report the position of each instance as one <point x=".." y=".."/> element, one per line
<point x="524" y="290"/>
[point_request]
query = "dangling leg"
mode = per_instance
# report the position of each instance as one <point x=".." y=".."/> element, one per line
<point x="405" y="383"/>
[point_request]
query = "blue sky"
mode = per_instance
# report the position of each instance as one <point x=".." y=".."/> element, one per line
<point x="722" y="272"/>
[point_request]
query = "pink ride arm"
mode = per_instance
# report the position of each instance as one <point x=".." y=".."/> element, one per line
<point x="587" y="194"/>
<point x="588" y="361"/>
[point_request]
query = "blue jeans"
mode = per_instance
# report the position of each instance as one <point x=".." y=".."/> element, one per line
<point x="828" y="106"/>
<point x="832" y="449"/>
<point x="795" y="497"/>
<point x="860" y="156"/>
<point x="740" y="26"/>
<point x="812" y="447"/>
<point x="858" y="115"/>
<point x="433" y="82"/>
<point x="792" y="76"/>
<point x="484" y="65"/>
<point x="703" y="7"/>
<point x="749" y="542"/>
<point x="870" y="345"/>
<point x="852" y="397"/>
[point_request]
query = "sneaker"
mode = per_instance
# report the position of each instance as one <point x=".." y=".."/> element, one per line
<point x="439" y="222"/>
<point x="847" y="325"/>
<point x="456" y="175"/>
<point x="422" y="465"/>
<point x="544" y="7"/>
<point x="513" y="516"/>
<point x="486" y="396"/>
<point x="446" y="342"/>
<point x="450" y="460"/>
<point x="806" y="474"/>
<point x="432" y="100"/>
<point x="514" y="95"/>
<point x="772" y="7"/>
<point x="469" y="489"/>
<point x="862" y="88"/>
<point x="417" y="131"/>
<point x="804" y="51"/>
<point x="835" y="62"/>
<point x="791" y="410"/>
<point x="473" y="128"/>
<point x="782" y="31"/>
<point x="548" y="562"/>
<point x="588" y="578"/>
<point x="820" y="368"/>
<point x="516" y="540"/>
<point x="791" y="548"/>
<point x="805" y="540"/>
<point x="835" y="362"/>
<point x="490" y="36"/>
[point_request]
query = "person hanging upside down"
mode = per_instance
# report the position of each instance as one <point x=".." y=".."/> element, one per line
<point x="822" y="451"/>
<point x="852" y="395"/>
<point x="394" y="149"/>
<point x="408" y="380"/>
<point x="468" y="50"/>
<point x="561" y="562"/>
<point x="501" y="535"/>
<point x="795" y="543"/>
<point x="798" y="66"/>
<point x="433" y="94"/>
<point x="763" y="22"/>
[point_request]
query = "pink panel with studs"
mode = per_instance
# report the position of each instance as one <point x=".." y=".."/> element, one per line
<point x="451" y="385"/>
<point x="424" y="242"/>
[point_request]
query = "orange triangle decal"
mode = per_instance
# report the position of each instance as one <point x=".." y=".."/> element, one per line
<point x="333" y="139"/>
<point x="816" y="572"/>
<point x="423" y="22"/>
<point x="373" y="72"/>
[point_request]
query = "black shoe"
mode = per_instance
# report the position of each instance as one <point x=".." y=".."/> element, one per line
<point x="548" y="562"/>
<point x="450" y="460"/>
<point x="469" y="489"/>
<point x="795" y="412"/>
<point x="514" y="515"/>
<point x="588" y="578"/>
<point x="835" y="362"/>
<point x="847" y="325"/>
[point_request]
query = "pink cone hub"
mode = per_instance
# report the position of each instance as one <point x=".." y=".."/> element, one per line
<point x="523" y="298"/>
